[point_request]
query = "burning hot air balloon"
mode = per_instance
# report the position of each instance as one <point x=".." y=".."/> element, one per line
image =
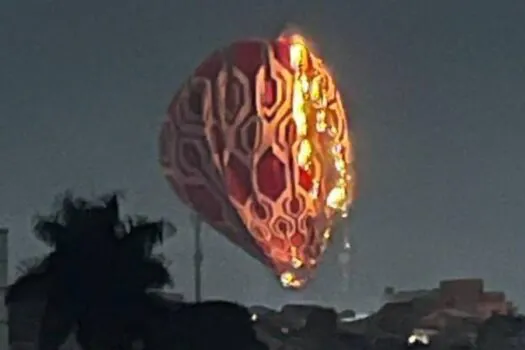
<point x="257" y="143"/>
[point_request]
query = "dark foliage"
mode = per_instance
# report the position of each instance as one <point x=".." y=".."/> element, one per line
<point x="96" y="278"/>
<point x="502" y="332"/>
<point x="321" y="320"/>
<point x="215" y="325"/>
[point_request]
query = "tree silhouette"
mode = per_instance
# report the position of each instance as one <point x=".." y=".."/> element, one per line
<point x="26" y="265"/>
<point x="319" y="332"/>
<point x="502" y="332"/>
<point x="95" y="281"/>
<point x="214" y="325"/>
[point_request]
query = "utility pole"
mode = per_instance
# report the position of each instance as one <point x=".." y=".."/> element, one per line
<point x="197" y="257"/>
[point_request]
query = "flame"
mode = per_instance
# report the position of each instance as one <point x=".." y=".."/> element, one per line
<point x="309" y="112"/>
<point x="290" y="280"/>
<point x="309" y="101"/>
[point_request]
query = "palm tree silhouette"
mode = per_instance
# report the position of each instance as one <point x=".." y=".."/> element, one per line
<point x="96" y="279"/>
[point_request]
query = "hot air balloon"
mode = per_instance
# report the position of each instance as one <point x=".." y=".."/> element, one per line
<point x="257" y="143"/>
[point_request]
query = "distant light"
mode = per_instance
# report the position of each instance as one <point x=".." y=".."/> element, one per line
<point x="355" y="318"/>
<point x="420" y="338"/>
<point x="255" y="317"/>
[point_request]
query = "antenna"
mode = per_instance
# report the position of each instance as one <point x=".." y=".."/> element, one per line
<point x="344" y="258"/>
<point x="197" y="257"/>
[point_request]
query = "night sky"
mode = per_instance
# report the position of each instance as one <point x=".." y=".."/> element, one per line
<point x="434" y="91"/>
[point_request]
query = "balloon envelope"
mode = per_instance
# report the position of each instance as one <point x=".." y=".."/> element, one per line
<point x="257" y="142"/>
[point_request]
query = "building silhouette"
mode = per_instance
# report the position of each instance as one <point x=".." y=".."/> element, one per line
<point x="467" y="295"/>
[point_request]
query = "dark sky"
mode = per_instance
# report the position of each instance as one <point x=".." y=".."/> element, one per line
<point x="434" y="90"/>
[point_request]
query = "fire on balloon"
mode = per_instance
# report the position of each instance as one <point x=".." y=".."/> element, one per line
<point x="310" y="114"/>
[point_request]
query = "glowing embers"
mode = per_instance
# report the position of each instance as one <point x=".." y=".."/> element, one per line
<point x="290" y="280"/>
<point x="296" y="260"/>
<point x="299" y="270"/>
<point x="309" y="111"/>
